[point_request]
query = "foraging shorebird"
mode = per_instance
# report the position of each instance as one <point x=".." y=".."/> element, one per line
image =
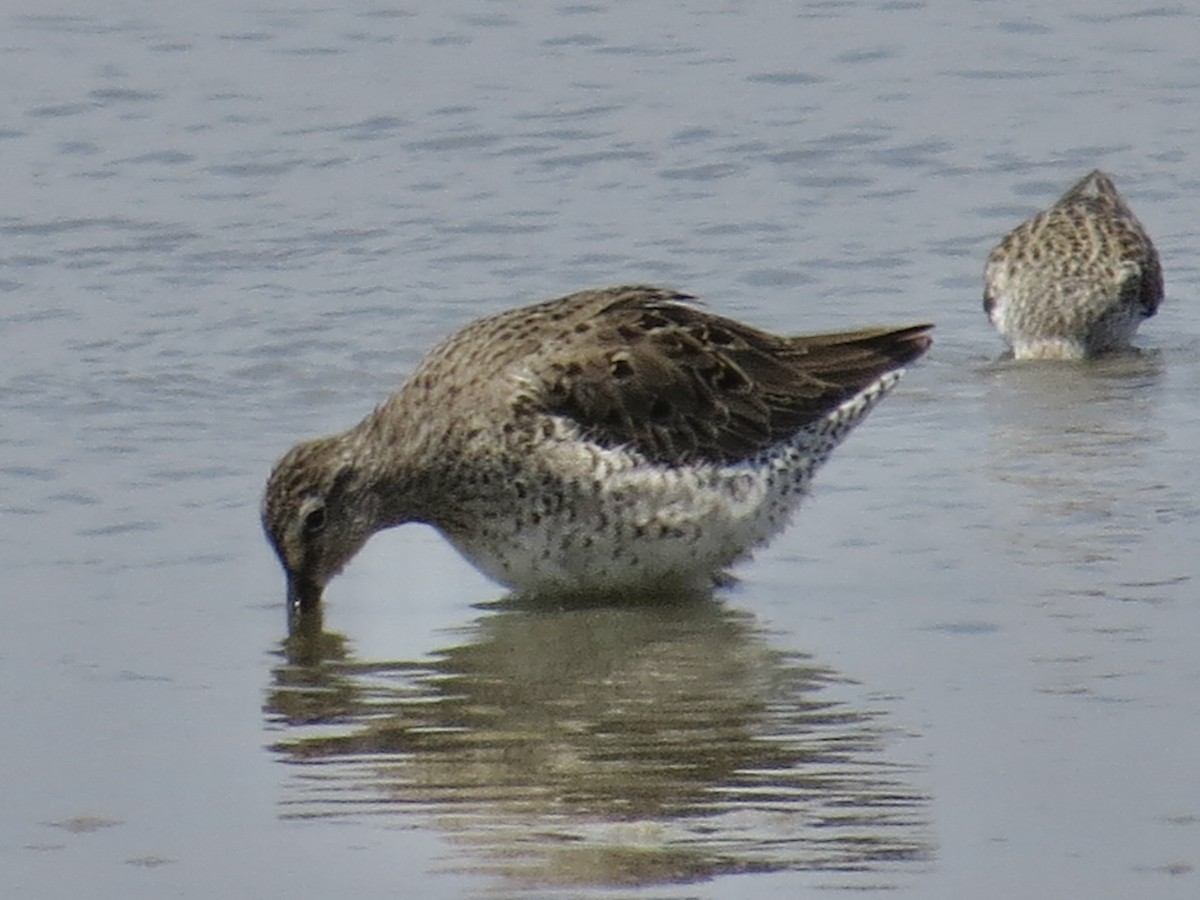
<point x="608" y="442"/>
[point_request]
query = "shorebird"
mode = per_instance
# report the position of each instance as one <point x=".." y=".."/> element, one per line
<point x="617" y="441"/>
<point x="1075" y="280"/>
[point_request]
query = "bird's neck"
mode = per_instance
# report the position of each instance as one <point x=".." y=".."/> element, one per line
<point x="398" y="467"/>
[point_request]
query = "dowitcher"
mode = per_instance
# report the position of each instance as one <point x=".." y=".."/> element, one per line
<point x="610" y="441"/>
<point x="1075" y="280"/>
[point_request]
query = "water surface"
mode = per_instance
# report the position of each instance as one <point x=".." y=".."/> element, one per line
<point x="967" y="670"/>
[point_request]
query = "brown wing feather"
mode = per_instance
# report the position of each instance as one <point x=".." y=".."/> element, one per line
<point x="680" y="384"/>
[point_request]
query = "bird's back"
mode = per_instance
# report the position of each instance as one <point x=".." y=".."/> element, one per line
<point x="651" y="369"/>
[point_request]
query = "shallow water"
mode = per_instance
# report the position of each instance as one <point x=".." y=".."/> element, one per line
<point x="967" y="670"/>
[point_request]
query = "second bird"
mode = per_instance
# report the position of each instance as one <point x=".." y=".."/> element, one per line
<point x="1076" y="280"/>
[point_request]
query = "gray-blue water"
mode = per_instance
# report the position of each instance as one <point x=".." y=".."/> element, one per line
<point x="968" y="670"/>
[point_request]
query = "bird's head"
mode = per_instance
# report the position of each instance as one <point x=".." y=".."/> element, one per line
<point x="313" y="517"/>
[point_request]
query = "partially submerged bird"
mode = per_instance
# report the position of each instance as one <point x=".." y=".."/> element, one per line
<point x="608" y="442"/>
<point x="1076" y="280"/>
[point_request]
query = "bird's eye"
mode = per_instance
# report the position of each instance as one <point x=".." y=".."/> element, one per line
<point x="314" y="521"/>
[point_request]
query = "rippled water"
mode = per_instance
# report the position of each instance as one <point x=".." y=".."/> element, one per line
<point x="967" y="670"/>
<point x="604" y="745"/>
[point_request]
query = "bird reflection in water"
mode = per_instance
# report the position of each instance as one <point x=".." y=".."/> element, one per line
<point x="600" y="745"/>
<point x="1067" y="447"/>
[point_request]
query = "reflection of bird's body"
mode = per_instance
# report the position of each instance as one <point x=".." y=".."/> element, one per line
<point x="1075" y="280"/>
<point x="608" y="441"/>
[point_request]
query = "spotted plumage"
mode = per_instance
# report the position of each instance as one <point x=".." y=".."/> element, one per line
<point x="609" y="441"/>
<point x="1076" y="280"/>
